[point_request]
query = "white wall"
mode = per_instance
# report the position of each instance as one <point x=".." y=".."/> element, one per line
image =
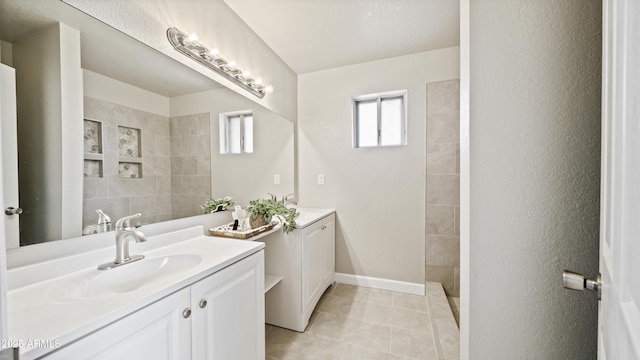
<point x="50" y="140"/>
<point x="533" y="96"/>
<point x="100" y="87"/>
<point x="379" y="194"/>
<point x="245" y="176"/>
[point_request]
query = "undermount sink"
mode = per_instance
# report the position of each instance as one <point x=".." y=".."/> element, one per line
<point x="93" y="284"/>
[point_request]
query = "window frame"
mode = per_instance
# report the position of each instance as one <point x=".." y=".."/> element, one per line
<point x="223" y="125"/>
<point x="379" y="97"/>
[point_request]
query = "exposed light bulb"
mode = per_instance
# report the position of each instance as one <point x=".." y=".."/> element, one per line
<point x="258" y="82"/>
<point x="268" y="89"/>
<point x="231" y="64"/>
<point x="192" y="38"/>
<point x="246" y="73"/>
<point x="215" y="53"/>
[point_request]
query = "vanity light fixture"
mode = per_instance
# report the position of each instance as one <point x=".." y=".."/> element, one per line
<point x="190" y="46"/>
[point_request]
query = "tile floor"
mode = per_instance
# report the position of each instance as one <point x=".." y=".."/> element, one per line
<point x="352" y="322"/>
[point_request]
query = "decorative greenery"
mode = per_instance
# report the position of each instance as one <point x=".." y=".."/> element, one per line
<point x="211" y="205"/>
<point x="270" y="208"/>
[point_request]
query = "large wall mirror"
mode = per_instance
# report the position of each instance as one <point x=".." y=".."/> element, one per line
<point x="105" y="122"/>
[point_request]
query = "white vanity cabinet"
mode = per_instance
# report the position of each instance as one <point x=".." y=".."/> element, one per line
<point x="158" y="331"/>
<point x="220" y="317"/>
<point x="318" y="261"/>
<point x="228" y="313"/>
<point x="305" y="259"/>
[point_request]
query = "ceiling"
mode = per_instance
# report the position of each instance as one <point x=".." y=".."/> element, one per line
<point x="104" y="49"/>
<point x="312" y="35"/>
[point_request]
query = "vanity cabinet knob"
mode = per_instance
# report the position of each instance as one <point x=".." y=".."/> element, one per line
<point x="203" y="303"/>
<point x="186" y="313"/>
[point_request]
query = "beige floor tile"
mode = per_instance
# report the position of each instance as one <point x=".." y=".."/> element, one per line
<point x="449" y="336"/>
<point x="376" y="313"/>
<point x="355" y="352"/>
<point x="434" y="288"/>
<point x="352" y="331"/>
<point x="364" y="294"/>
<point x="285" y="344"/>
<point x="454" y="303"/>
<point x="440" y="309"/>
<point x="352" y="323"/>
<point x="413" y="344"/>
<point x="409" y="301"/>
<point x="409" y="319"/>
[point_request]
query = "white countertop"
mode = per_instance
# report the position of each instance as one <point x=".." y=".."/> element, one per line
<point x="309" y="215"/>
<point x="37" y="311"/>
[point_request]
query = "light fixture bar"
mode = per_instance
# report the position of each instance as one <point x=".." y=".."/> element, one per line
<point x="192" y="48"/>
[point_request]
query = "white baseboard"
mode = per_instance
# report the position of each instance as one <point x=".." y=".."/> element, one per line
<point x="378" y="283"/>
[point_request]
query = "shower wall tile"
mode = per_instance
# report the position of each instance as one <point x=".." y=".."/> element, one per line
<point x="441" y="159"/>
<point x="119" y="197"/>
<point x="443" y="250"/>
<point x="443" y="184"/>
<point x="456" y="217"/>
<point x="184" y="165"/>
<point x="190" y="144"/>
<point x="443" y="190"/>
<point x="456" y="282"/>
<point x="442" y="274"/>
<point x="440" y="220"/>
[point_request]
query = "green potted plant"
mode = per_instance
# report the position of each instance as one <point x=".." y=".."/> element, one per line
<point x="215" y="205"/>
<point x="261" y="211"/>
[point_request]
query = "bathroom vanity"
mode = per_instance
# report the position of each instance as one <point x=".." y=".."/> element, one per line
<point x="305" y="259"/>
<point x="192" y="296"/>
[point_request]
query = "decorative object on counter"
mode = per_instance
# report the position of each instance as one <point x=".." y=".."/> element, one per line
<point x="240" y="219"/>
<point x="218" y="204"/>
<point x="228" y="231"/>
<point x="211" y="58"/>
<point x="262" y="211"/>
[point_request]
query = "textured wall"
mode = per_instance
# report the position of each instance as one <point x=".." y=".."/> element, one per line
<point x="535" y="167"/>
<point x="378" y="193"/>
<point x="443" y="186"/>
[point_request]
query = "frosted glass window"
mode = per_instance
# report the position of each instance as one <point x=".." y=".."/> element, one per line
<point x="380" y="120"/>
<point x="236" y="133"/>
<point x="367" y="126"/>
<point x="248" y="133"/>
<point x="391" y="122"/>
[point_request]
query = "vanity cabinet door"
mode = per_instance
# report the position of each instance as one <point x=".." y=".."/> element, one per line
<point x="158" y="331"/>
<point x="318" y="261"/>
<point x="228" y="312"/>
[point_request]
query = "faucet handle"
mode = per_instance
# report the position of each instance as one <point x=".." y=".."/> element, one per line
<point x="103" y="218"/>
<point x="125" y="221"/>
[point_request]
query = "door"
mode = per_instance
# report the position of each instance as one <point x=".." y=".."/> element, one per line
<point x="9" y="152"/>
<point x="228" y="312"/>
<point x="619" y="314"/>
<point x="160" y="331"/>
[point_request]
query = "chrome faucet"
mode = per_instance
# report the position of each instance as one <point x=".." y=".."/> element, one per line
<point x="289" y="200"/>
<point x="104" y="224"/>
<point x="124" y="231"/>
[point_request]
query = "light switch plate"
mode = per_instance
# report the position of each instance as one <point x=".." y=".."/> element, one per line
<point x="320" y="179"/>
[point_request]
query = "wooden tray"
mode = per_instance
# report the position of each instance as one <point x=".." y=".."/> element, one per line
<point x="227" y="231"/>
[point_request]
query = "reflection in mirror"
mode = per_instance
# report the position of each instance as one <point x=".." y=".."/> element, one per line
<point x="106" y="122"/>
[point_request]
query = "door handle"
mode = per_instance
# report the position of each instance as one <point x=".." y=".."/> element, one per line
<point x="575" y="281"/>
<point x="12" y="211"/>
